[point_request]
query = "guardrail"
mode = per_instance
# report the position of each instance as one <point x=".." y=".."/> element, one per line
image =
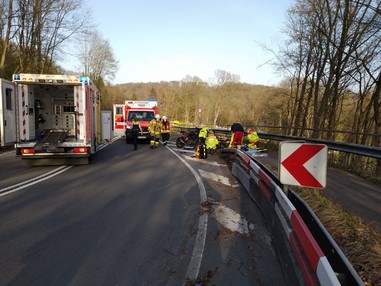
<point x="306" y="260"/>
<point x="349" y="148"/>
<point x="363" y="150"/>
<point x="308" y="253"/>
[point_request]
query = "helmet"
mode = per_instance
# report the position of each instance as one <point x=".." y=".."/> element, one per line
<point x="250" y="130"/>
<point x="164" y="118"/>
<point x="157" y="116"/>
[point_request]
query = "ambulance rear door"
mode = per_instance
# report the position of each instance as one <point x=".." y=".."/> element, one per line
<point x="119" y="123"/>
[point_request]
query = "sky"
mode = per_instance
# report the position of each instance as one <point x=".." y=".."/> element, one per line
<point x="166" y="40"/>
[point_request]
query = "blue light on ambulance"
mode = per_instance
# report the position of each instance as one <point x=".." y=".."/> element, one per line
<point x="16" y="77"/>
<point x="84" y="79"/>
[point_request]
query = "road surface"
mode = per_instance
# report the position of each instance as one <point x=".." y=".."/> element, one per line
<point x="145" y="217"/>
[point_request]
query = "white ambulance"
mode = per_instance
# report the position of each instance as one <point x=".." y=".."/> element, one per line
<point x="57" y="118"/>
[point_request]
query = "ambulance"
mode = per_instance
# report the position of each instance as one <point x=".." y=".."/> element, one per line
<point x="57" y="118"/>
<point x="144" y="111"/>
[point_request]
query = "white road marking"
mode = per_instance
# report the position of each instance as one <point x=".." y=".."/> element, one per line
<point x="213" y="163"/>
<point x="198" y="250"/>
<point x="48" y="175"/>
<point x="230" y="219"/>
<point x="217" y="178"/>
<point x="36" y="180"/>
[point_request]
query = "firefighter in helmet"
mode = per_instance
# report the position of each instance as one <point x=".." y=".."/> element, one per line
<point x="253" y="138"/>
<point x="165" y="130"/>
<point x="155" y="130"/>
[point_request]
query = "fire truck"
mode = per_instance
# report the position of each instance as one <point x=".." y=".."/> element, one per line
<point x="144" y="111"/>
<point x="57" y="118"/>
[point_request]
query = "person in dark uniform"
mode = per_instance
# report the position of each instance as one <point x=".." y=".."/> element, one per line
<point x="237" y="135"/>
<point x="135" y="131"/>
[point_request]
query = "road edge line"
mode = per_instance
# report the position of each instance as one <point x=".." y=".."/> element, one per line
<point x="198" y="250"/>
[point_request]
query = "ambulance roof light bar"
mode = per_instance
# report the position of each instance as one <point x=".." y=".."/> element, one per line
<point x="50" y="79"/>
<point x="141" y="104"/>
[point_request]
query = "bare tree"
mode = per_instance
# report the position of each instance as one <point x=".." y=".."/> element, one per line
<point x="34" y="32"/>
<point x="42" y="28"/>
<point x="6" y="12"/>
<point x="222" y="92"/>
<point x="97" y="58"/>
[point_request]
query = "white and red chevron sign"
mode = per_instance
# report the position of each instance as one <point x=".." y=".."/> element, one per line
<point x="303" y="164"/>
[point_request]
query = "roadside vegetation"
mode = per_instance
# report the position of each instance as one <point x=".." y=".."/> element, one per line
<point x="360" y="243"/>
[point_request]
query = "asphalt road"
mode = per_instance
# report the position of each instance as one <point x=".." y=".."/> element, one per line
<point x="132" y="218"/>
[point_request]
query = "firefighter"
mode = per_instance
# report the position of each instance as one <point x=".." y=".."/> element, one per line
<point x="237" y="135"/>
<point x="253" y="138"/>
<point x="202" y="135"/>
<point x="135" y="126"/>
<point x="165" y="129"/>
<point x="211" y="143"/>
<point x="155" y="130"/>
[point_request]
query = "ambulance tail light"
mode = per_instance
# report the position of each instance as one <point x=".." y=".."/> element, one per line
<point x="27" y="151"/>
<point x="80" y="150"/>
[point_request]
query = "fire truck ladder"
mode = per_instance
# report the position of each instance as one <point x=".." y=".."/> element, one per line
<point x="51" y="140"/>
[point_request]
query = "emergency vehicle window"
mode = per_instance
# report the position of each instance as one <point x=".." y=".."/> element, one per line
<point x="150" y="116"/>
<point x="8" y="99"/>
<point x="68" y="109"/>
<point x="141" y="115"/>
<point x="119" y="110"/>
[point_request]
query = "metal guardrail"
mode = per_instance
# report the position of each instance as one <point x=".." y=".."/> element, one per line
<point x="334" y="254"/>
<point x="307" y="238"/>
<point x="363" y="150"/>
<point x="297" y="233"/>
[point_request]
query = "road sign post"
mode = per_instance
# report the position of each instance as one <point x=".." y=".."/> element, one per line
<point x="303" y="164"/>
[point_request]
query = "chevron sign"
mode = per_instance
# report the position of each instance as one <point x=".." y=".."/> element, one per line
<point x="303" y="164"/>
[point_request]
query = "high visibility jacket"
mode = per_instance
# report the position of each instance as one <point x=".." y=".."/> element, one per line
<point x="253" y="137"/>
<point x="155" y="127"/>
<point x="211" y="142"/>
<point x="136" y="127"/>
<point x="203" y="132"/>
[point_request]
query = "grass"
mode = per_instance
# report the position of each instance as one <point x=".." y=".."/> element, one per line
<point x="360" y="243"/>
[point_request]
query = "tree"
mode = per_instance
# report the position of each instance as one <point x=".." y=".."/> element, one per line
<point x="97" y="58"/>
<point x="222" y="92"/>
<point x="5" y="27"/>
<point x="34" y="31"/>
<point x="332" y="56"/>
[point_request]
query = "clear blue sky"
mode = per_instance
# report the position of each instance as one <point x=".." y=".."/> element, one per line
<point x="164" y="40"/>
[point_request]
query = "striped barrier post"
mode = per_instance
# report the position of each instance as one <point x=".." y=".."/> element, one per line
<point x="313" y="263"/>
